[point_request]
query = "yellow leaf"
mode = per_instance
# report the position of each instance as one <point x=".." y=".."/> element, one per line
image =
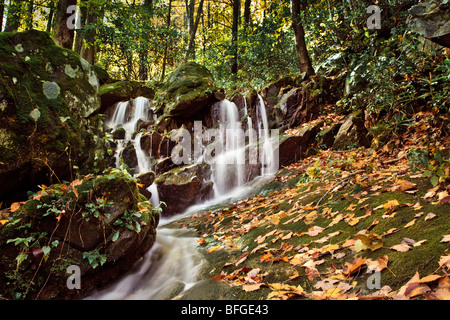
<point x="390" y="204"/>
<point x="3" y="221"/>
<point x="214" y="249"/>
<point x="371" y="241"/>
<point x="409" y="224"/>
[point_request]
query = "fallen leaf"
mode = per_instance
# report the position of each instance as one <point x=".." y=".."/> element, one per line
<point x="391" y="204"/>
<point x="3" y="221"/>
<point x="314" y="231"/>
<point x="445" y="261"/>
<point x="401" y="247"/>
<point x="242" y="259"/>
<point x="371" y="241"/>
<point x="430" y="278"/>
<point x="446" y="238"/>
<point x="212" y="249"/>
<point x="252" y="287"/>
<point x="351" y="268"/>
<point x="404" y="185"/>
<point x="409" y="224"/>
<point x="430" y="216"/>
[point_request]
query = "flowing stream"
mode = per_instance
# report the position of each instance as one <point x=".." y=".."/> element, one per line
<point x="172" y="265"/>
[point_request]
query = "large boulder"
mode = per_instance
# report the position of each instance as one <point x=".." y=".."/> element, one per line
<point x="293" y="148"/>
<point x="180" y="188"/>
<point x="101" y="225"/>
<point x="432" y="21"/>
<point x="188" y="91"/>
<point x="352" y="133"/>
<point x="48" y="105"/>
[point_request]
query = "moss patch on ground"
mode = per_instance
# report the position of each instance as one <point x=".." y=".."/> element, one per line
<point x="300" y="238"/>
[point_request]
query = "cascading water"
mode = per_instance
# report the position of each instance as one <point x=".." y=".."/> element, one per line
<point x="171" y="266"/>
<point x="267" y="156"/>
<point x="229" y="165"/>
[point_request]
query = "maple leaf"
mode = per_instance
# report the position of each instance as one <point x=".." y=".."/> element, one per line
<point x="445" y="261"/>
<point x="370" y="241"/>
<point x="352" y="268"/>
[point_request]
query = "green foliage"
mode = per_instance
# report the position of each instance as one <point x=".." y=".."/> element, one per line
<point x="435" y="166"/>
<point x="95" y="258"/>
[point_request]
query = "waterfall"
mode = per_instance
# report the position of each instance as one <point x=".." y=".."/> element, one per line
<point x="172" y="265"/>
<point x="144" y="161"/>
<point x="229" y="166"/>
<point x="122" y="119"/>
<point x="267" y="155"/>
<point x="120" y="114"/>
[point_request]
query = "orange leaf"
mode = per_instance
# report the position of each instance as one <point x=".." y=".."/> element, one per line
<point x="15" y="206"/>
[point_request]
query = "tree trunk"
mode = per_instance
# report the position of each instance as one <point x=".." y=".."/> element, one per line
<point x="2" y="12"/>
<point x="63" y="34"/>
<point x="166" y="48"/>
<point x="303" y="59"/>
<point x="247" y="14"/>
<point x="95" y="14"/>
<point x="79" y="40"/>
<point x="29" y="15"/>
<point x="50" y="17"/>
<point x="190" y="47"/>
<point x="143" y="48"/>
<point x="13" y="17"/>
<point x="234" y="35"/>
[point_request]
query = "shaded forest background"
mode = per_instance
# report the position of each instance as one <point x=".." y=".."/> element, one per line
<point x="248" y="44"/>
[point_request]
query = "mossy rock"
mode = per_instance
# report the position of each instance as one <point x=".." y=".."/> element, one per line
<point x="352" y="133"/>
<point x="48" y="101"/>
<point x="125" y="90"/>
<point x="187" y="91"/>
<point x="100" y="224"/>
<point x="182" y="187"/>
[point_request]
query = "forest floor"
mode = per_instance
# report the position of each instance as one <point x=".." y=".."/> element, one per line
<point x="354" y="224"/>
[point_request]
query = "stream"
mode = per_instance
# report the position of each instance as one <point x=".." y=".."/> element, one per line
<point x="172" y="265"/>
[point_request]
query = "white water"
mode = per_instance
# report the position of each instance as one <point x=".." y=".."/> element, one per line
<point x="171" y="266"/>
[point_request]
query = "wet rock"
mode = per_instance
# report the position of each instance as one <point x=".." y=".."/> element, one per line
<point x="182" y="187"/>
<point x="146" y="178"/>
<point x="119" y="134"/>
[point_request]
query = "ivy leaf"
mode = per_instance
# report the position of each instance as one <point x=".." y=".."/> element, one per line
<point x="434" y="180"/>
<point x="115" y="236"/>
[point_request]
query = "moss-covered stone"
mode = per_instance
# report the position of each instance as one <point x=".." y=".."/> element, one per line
<point x="187" y="91"/>
<point x="100" y="224"/>
<point x="48" y="96"/>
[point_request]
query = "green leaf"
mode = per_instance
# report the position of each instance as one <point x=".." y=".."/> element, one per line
<point x="115" y="236"/>
<point x="427" y="173"/>
<point x="434" y="181"/>
<point x="46" y="250"/>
